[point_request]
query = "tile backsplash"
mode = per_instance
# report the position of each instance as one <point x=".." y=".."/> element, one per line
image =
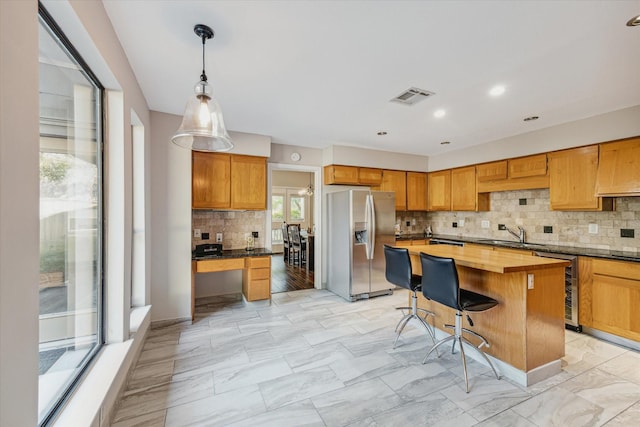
<point x="569" y="228"/>
<point x="235" y="226"/>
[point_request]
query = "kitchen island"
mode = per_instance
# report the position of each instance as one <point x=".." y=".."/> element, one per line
<point x="526" y="329"/>
<point x="255" y="266"/>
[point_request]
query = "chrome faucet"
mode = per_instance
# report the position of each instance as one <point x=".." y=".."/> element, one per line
<point x="520" y="236"/>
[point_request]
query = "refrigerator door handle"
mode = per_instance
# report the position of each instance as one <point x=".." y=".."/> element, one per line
<point x="371" y="212"/>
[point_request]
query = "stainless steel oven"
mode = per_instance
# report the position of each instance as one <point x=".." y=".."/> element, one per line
<point x="570" y="290"/>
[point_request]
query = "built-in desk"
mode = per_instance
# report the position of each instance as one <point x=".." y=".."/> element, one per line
<point x="255" y="266"/>
<point x="526" y="329"/>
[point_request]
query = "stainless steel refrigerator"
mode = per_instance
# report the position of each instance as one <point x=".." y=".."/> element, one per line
<point x="359" y="223"/>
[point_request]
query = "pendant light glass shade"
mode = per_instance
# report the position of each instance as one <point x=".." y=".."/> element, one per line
<point x="202" y="127"/>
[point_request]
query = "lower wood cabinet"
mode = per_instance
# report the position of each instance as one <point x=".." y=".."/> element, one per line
<point x="609" y="293"/>
<point x="256" y="278"/>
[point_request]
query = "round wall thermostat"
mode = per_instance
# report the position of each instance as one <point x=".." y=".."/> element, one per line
<point x="295" y="157"/>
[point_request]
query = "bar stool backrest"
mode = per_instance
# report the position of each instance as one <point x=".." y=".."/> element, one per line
<point x="398" y="266"/>
<point x="440" y="280"/>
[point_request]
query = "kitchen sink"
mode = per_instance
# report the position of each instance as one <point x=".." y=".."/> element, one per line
<point x="511" y="244"/>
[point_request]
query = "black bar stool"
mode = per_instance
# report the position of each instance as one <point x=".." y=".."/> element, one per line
<point x="440" y="284"/>
<point x="398" y="271"/>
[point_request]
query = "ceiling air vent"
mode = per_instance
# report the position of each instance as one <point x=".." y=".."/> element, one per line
<point x="412" y="95"/>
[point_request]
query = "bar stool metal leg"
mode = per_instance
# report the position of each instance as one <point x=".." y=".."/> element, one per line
<point x="413" y="314"/>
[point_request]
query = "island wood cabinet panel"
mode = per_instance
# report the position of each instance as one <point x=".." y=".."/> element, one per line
<point x="523" y="167"/>
<point x="395" y="181"/>
<point x="492" y="171"/>
<point x="619" y="168"/>
<point x="417" y="191"/>
<point x="228" y="181"/>
<point x="439" y="190"/>
<point x="336" y="174"/>
<point x="610" y="296"/>
<point x="210" y="179"/>
<point x="248" y="182"/>
<point x="572" y="180"/>
<point x="464" y="196"/>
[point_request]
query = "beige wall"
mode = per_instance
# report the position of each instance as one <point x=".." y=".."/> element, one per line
<point x="343" y="155"/>
<point x="19" y="219"/>
<point x="281" y="153"/>
<point x="605" y="127"/>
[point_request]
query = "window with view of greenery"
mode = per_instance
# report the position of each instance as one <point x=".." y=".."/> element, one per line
<point x="277" y="207"/>
<point x="70" y="286"/>
<point x="297" y="208"/>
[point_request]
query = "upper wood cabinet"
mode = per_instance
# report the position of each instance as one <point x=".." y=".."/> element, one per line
<point x="395" y="181"/>
<point x="369" y="176"/>
<point x="464" y="196"/>
<point x="572" y="180"/>
<point x="523" y="167"/>
<point x="619" y="168"/>
<point x="248" y="182"/>
<point x="492" y="171"/>
<point x="439" y="190"/>
<point x="522" y="173"/>
<point x="210" y="178"/>
<point x="352" y="175"/>
<point x="336" y="174"/>
<point x="228" y="181"/>
<point x="417" y="191"/>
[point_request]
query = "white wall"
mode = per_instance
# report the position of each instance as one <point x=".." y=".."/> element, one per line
<point x="605" y="127"/>
<point x="281" y="153"/>
<point x="19" y="218"/>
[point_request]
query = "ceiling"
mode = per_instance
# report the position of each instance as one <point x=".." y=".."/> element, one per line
<point x="320" y="73"/>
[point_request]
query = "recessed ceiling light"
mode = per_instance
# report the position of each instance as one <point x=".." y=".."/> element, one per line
<point x="439" y="113"/>
<point x="497" y="90"/>
<point x="445" y="143"/>
<point x="634" y="22"/>
<point x="531" y="118"/>
<point x="382" y="133"/>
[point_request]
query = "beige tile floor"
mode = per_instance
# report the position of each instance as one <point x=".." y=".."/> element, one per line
<point x="312" y="359"/>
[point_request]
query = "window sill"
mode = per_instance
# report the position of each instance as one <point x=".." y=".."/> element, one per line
<point x="92" y="403"/>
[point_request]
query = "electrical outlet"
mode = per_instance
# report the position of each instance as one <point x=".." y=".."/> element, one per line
<point x="593" y="228"/>
<point x="522" y="202"/>
<point x="255" y="234"/>
<point x="218" y="237"/>
<point x="205" y="236"/>
<point x="529" y="281"/>
<point x="627" y="232"/>
<point x="461" y="223"/>
<point x="408" y="223"/>
<point x="485" y="223"/>
<point x="547" y="229"/>
<point x="501" y="227"/>
<point x="454" y="225"/>
<point x="197" y="233"/>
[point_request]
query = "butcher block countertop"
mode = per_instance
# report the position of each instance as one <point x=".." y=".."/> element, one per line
<point x="488" y="259"/>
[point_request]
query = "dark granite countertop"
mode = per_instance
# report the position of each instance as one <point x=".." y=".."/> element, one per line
<point x="234" y="253"/>
<point x="545" y="248"/>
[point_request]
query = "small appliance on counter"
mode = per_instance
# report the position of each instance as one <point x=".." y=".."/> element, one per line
<point x="208" y="249"/>
<point x="428" y="232"/>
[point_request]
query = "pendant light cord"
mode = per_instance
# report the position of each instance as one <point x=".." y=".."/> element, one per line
<point x="203" y="76"/>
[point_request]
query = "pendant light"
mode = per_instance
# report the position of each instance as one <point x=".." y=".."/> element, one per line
<point x="309" y="190"/>
<point x="202" y="127"/>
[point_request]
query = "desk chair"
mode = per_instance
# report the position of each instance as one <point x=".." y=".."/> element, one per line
<point x="440" y="284"/>
<point x="398" y="271"/>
